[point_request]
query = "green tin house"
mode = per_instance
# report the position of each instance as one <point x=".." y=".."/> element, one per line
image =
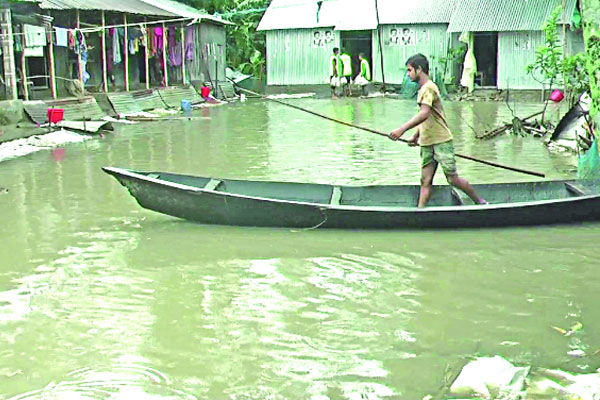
<point x="301" y="36"/>
<point x="507" y="34"/>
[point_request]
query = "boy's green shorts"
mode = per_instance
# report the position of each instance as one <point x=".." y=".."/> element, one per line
<point x="443" y="153"/>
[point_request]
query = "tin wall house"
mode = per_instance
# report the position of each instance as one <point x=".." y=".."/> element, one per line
<point x="123" y="45"/>
<point x="301" y="37"/>
<point x="408" y="28"/>
<point x="24" y="66"/>
<point x="506" y="36"/>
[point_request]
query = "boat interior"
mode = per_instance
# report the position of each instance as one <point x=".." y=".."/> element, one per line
<point x="388" y="195"/>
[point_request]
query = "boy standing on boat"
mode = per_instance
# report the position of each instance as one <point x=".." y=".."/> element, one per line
<point x="433" y="134"/>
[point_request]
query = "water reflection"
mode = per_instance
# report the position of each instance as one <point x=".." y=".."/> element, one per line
<point x="100" y="296"/>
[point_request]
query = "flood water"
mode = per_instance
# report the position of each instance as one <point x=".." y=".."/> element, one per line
<point x="100" y="298"/>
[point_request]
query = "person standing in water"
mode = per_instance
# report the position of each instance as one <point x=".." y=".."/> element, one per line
<point x="335" y="66"/>
<point x="364" y="76"/>
<point x="346" y="72"/>
<point x="433" y="134"/>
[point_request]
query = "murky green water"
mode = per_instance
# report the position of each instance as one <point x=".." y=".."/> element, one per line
<point x="101" y="298"/>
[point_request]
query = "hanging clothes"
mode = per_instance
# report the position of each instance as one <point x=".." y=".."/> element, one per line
<point x="190" y="42"/>
<point x="150" y="42"/>
<point x="35" y="40"/>
<point x="80" y="43"/>
<point x="158" y="38"/>
<point x="84" y="74"/>
<point x="175" y="56"/>
<point x="71" y="39"/>
<point x="62" y="36"/>
<point x="116" y="48"/>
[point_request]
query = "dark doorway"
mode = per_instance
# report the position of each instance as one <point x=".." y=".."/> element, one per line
<point x="356" y="42"/>
<point x="37" y="68"/>
<point x="486" y="54"/>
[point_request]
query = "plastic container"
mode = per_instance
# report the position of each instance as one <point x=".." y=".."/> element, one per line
<point x="205" y="91"/>
<point x="556" y="96"/>
<point x="55" y="115"/>
<point x="186" y="106"/>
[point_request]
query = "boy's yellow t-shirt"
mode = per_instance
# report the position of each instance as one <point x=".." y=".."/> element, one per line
<point x="434" y="129"/>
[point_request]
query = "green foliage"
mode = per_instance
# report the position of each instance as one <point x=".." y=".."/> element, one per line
<point x="455" y="56"/>
<point x="548" y="57"/>
<point x="555" y="67"/>
<point x="245" y="46"/>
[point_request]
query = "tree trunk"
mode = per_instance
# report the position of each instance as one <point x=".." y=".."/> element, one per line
<point x="590" y="10"/>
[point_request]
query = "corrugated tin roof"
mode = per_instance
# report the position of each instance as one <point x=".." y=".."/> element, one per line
<point x="297" y="14"/>
<point x="357" y="15"/>
<point x="505" y="15"/>
<point x="416" y="12"/>
<point x="184" y="10"/>
<point x="164" y="8"/>
<point x="127" y="6"/>
<point x="348" y="15"/>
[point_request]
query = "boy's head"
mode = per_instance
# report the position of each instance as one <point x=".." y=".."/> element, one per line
<point x="336" y="50"/>
<point x="361" y="56"/>
<point x="417" y="66"/>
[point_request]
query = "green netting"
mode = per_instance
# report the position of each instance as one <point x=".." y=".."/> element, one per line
<point x="409" y="88"/>
<point x="589" y="164"/>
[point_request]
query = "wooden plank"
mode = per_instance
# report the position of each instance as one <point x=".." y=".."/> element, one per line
<point x="458" y="199"/>
<point x="576" y="190"/>
<point x="124" y="103"/>
<point x="336" y="196"/>
<point x="213" y="184"/>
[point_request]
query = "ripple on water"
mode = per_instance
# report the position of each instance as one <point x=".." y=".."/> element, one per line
<point x="123" y="381"/>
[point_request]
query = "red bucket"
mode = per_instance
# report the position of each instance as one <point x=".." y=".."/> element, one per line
<point x="205" y="91"/>
<point x="557" y="96"/>
<point x="55" y="115"/>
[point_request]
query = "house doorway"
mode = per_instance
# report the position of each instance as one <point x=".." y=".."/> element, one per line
<point x="356" y="42"/>
<point x="486" y="54"/>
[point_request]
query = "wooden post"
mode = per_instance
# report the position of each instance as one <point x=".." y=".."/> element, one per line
<point x="79" y="67"/>
<point x="183" y="80"/>
<point x="51" y="62"/>
<point x="380" y="45"/>
<point x="24" y="68"/>
<point x="146" y="55"/>
<point x="590" y="10"/>
<point x="8" y="55"/>
<point x="165" y="66"/>
<point x="104" y="64"/>
<point x="126" y="55"/>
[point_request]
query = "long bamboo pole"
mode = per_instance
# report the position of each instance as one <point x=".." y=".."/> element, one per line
<point x="104" y="63"/>
<point x="24" y="69"/>
<point x="126" y="53"/>
<point x="51" y="61"/>
<point x="146" y="61"/>
<point x="164" y="54"/>
<point x="523" y="171"/>
<point x="79" y="66"/>
<point x="183" y="54"/>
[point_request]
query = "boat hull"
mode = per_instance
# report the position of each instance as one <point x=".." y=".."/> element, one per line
<point x="208" y="206"/>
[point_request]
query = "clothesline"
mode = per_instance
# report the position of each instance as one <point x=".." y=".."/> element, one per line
<point x="100" y="28"/>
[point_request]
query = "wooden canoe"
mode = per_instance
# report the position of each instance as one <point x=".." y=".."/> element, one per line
<point x="306" y="205"/>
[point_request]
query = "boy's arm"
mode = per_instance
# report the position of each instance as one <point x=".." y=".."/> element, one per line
<point x="418" y="119"/>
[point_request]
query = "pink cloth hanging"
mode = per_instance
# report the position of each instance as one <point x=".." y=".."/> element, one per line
<point x="158" y="38"/>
